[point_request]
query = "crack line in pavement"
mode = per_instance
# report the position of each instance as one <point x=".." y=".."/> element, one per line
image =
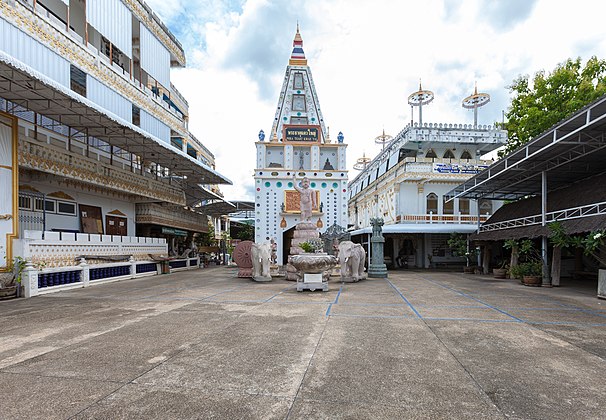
<point x="307" y="368"/>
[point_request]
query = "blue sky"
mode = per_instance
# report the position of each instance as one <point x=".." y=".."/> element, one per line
<point x="366" y="58"/>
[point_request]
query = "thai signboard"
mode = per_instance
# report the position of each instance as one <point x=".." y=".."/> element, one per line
<point x="302" y="133"/>
<point x="455" y="168"/>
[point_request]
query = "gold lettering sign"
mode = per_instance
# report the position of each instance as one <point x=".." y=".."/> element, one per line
<point x="302" y="133"/>
<point x="292" y="201"/>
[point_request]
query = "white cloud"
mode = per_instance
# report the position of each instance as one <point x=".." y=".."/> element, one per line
<point x="366" y="58"/>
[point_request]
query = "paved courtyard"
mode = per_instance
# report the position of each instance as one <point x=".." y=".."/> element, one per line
<point x="206" y="344"/>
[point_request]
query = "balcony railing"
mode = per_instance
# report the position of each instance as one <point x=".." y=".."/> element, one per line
<point x="464" y="219"/>
<point x="557" y="215"/>
<point x="49" y="158"/>
<point x="171" y="216"/>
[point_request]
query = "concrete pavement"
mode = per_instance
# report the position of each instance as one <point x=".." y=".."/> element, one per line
<point x="205" y="344"/>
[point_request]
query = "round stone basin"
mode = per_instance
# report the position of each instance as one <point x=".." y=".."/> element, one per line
<point x="313" y="263"/>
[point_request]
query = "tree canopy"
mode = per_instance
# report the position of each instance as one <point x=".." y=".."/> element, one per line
<point x="550" y="97"/>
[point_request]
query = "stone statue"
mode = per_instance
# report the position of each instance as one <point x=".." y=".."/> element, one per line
<point x="261" y="259"/>
<point x="352" y="258"/>
<point x="308" y="197"/>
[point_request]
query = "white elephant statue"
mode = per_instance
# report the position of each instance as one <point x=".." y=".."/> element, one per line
<point x="352" y="258"/>
<point x="261" y="259"/>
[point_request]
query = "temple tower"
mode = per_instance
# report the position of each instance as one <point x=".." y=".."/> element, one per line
<point x="299" y="142"/>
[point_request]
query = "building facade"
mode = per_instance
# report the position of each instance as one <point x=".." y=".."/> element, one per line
<point x="299" y="145"/>
<point x="96" y="156"/>
<point x="406" y="183"/>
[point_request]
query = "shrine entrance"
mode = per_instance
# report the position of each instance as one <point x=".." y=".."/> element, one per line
<point x="287" y="238"/>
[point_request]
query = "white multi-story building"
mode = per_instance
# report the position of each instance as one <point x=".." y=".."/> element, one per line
<point x="299" y="144"/>
<point x="406" y="183"/>
<point x="96" y="157"/>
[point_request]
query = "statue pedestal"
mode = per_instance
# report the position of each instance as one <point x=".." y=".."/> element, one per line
<point x="304" y="231"/>
<point x="274" y="270"/>
<point x="377" y="267"/>
<point x="314" y="270"/>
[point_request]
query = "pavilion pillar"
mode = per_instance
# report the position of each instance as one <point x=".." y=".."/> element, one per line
<point x="9" y="187"/>
<point x="546" y="278"/>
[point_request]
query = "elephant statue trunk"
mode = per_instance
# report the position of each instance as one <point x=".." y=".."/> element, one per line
<point x="352" y="258"/>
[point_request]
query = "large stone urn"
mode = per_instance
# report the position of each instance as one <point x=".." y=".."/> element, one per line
<point x="314" y="270"/>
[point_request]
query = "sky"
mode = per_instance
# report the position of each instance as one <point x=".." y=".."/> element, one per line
<point x="366" y="57"/>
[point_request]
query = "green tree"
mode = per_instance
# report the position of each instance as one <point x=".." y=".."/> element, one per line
<point x="244" y="232"/>
<point x="550" y="97"/>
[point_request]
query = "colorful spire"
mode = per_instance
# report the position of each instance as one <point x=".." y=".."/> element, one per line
<point x="297" y="58"/>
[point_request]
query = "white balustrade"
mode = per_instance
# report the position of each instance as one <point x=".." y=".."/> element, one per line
<point x="463" y="219"/>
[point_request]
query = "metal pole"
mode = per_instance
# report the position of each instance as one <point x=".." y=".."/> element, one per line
<point x="546" y="279"/>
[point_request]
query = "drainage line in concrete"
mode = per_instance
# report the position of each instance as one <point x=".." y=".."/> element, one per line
<point x="405" y="300"/>
<point x="473" y="298"/>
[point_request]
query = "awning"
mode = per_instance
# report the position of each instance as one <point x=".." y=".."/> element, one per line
<point x="568" y="152"/>
<point x="217" y="208"/>
<point x="27" y="88"/>
<point x="420" y="228"/>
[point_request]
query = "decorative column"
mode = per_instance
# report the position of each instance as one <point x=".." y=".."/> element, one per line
<point x="29" y="280"/>
<point x="9" y="193"/>
<point x="85" y="273"/>
<point x="377" y="267"/>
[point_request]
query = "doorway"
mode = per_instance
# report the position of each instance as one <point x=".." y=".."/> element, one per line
<point x="287" y="238"/>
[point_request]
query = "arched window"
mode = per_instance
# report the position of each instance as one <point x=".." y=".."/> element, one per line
<point x="432" y="203"/>
<point x="466" y="155"/>
<point x="431" y="154"/>
<point x="448" y="154"/>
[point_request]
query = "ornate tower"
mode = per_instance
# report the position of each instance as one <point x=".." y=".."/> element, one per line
<point x="299" y="143"/>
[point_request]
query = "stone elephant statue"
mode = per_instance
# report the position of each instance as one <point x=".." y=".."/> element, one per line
<point x="261" y="259"/>
<point x="352" y="258"/>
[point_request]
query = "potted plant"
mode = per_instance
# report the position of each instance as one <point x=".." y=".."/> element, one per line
<point x="314" y="245"/>
<point x="532" y="272"/>
<point x="10" y="279"/>
<point x="500" y="272"/>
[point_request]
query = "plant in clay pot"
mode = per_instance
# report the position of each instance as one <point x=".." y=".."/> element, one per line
<point x="500" y="272"/>
<point x="10" y="278"/>
<point x="532" y="272"/>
